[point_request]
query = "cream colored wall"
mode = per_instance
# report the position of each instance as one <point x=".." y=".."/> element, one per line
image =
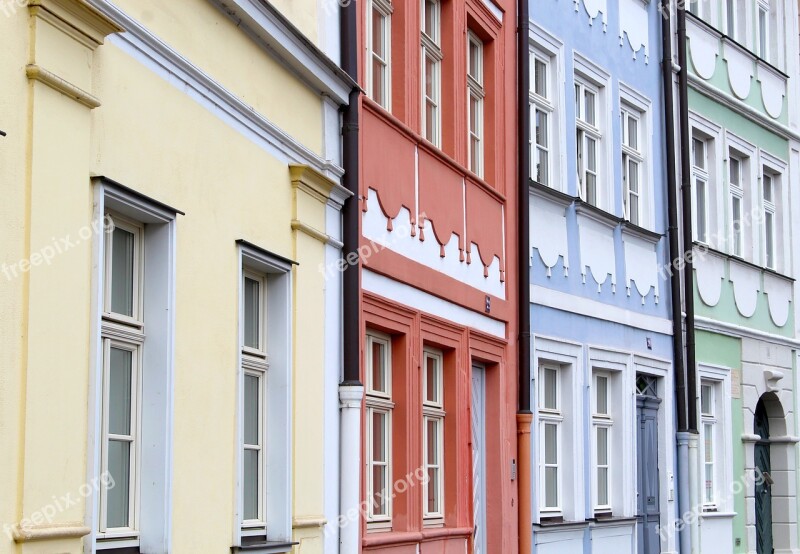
<point x="206" y="37"/>
<point x="151" y="137"/>
<point x="304" y="14"/>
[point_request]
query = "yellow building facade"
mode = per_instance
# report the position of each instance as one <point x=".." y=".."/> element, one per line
<point x="170" y="329"/>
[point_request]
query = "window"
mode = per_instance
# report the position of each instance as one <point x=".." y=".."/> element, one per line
<point x="588" y="139"/>
<point x="701" y="182"/>
<point x="122" y="338"/>
<point x="476" y="94"/>
<point x="701" y="8"/>
<point x="379" y="413"/>
<point x="254" y="365"/>
<point x="762" y="27"/>
<point x="431" y="71"/>
<point x="379" y="75"/>
<point x="542" y="109"/>
<point x="768" y="186"/>
<point x="736" y="190"/>
<point x="632" y="164"/>
<point x="433" y="437"/>
<point x="602" y="423"/>
<point x="708" y="415"/>
<point x="550" y="421"/>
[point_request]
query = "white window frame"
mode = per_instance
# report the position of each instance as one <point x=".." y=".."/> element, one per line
<point x="475" y="90"/>
<point x="777" y="169"/>
<point x="590" y="77"/>
<point x="701" y="174"/>
<point x="634" y="104"/>
<point x="604" y="420"/>
<point x="379" y="401"/>
<point x="736" y="192"/>
<point x="433" y="410"/>
<point x="550" y="416"/>
<point x="384" y="8"/>
<point x="769" y="237"/>
<point x="708" y="420"/>
<point x="255" y="363"/>
<point x="431" y="49"/>
<point x="127" y="224"/>
<point x="549" y="50"/>
<point x="762" y="46"/>
<point x="720" y="378"/>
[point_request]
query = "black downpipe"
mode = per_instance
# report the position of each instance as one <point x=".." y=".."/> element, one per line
<point x="523" y="206"/>
<point x="351" y="275"/>
<point x="673" y="233"/>
<point x="686" y="192"/>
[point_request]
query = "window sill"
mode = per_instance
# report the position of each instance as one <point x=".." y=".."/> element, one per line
<point x="267" y="547"/>
<point x="552" y="194"/>
<point x="652" y="237"/>
<point x="583" y="208"/>
<point x="558" y="522"/>
<point x="119" y="550"/>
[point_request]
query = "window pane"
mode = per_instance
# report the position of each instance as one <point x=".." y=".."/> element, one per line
<point x="252" y="313"/>
<point x="378" y="367"/>
<point x="432" y="380"/>
<point x="378" y="33"/>
<point x="736" y="223"/>
<point x="709" y="492"/>
<point x="550" y="388"/>
<point x="251" y="409"/>
<point x="589" y="113"/>
<point x="251" y="484"/>
<point x="591" y="154"/>
<point x="377" y="81"/>
<point x="430" y="121"/>
<point x="602" y="395"/>
<point x="770" y="238"/>
<point x="433" y="490"/>
<point x="602" y="446"/>
<point x="602" y="486"/>
<point x="122" y="268"/>
<point x="432" y="448"/>
<point x="762" y="33"/>
<point x="550" y="443"/>
<point x="542" y="133"/>
<point x="542" y="167"/>
<point x="118" y="497"/>
<point x="430" y="75"/>
<point x="475" y="61"/>
<point x="379" y="436"/>
<point x="700" y="185"/>
<point x="120" y="374"/>
<point x="551" y="487"/>
<point x="705" y="400"/>
<point x="591" y="189"/>
<point x="431" y="20"/>
<point x="767" y="188"/>
<point x="735" y="173"/>
<point x="633" y="133"/>
<point x="540" y="78"/>
<point x="730" y="9"/>
<point x="698" y="153"/>
<point x="379" y="507"/>
<point x="708" y="429"/>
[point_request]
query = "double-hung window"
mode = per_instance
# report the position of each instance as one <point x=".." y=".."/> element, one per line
<point x="700" y="179"/>
<point x="123" y="339"/>
<point x="551" y="419"/>
<point x="255" y="363"/>
<point x="433" y="416"/>
<point x="588" y="139"/>
<point x="602" y="424"/>
<point x="768" y="186"/>
<point x="736" y="191"/>
<point x="632" y="165"/>
<point x="431" y="71"/>
<point x="542" y="110"/>
<point x="379" y="79"/>
<point x="708" y="416"/>
<point x="379" y="407"/>
<point x="476" y="94"/>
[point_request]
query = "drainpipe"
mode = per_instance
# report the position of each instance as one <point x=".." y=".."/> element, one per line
<point x="688" y="282"/>
<point x="524" y="414"/>
<point x="351" y="391"/>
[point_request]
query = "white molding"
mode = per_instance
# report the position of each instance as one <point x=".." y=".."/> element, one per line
<point x="492" y="7"/>
<point x="147" y="48"/>
<point x="731" y="330"/>
<point x="428" y="303"/>
<point x="580" y="305"/>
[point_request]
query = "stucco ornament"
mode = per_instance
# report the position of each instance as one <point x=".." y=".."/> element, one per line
<point x="740" y="70"/>
<point x="745" y="281"/>
<point x="779" y="294"/>
<point x="597" y="252"/>
<point x="773" y="89"/>
<point x="593" y="9"/>
<point x="633" y="23"/>
<point x="641" y="266"/>
<point x="549" y="233"/>
<point x="704" y="48"/>
<point x="710" y="272"/>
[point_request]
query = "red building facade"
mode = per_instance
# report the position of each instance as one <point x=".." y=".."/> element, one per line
<point x="438" y="213"/>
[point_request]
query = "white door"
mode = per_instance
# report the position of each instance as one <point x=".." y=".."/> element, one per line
<point x="479" y="458"/>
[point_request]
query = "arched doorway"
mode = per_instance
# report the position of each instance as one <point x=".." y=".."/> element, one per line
<point x="763" y="489"/>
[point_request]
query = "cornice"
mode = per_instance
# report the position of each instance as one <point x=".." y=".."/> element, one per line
<point x="76" y="18"/>
<point x="317" y="185"/>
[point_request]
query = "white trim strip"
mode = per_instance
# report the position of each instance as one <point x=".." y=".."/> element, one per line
<point x="598" y="310"/>
<point x="708" y="324"/>
<point x="424" y="302"/>
<point x="144" y="46"/>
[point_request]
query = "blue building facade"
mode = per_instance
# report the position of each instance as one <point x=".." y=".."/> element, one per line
<point x="603" y="454"/>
